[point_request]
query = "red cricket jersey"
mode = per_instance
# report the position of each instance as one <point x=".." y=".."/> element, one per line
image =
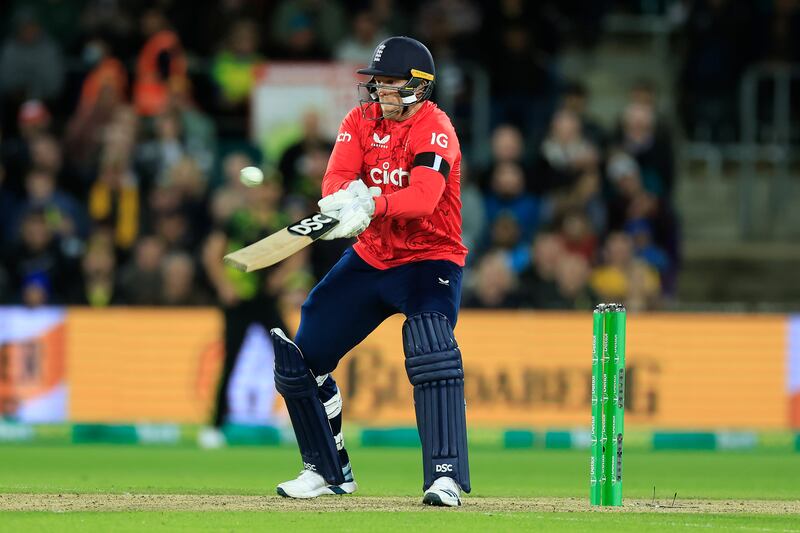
<point x="417" y="165"/>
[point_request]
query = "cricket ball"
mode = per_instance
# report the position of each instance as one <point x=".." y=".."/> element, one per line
<point x="251" y="176"/>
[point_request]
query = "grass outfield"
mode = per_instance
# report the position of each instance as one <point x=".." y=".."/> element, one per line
<point x="112" y="488"/>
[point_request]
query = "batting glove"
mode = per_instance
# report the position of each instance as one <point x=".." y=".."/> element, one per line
<point x="356" y="191"/>
<point x="353" y="219"/>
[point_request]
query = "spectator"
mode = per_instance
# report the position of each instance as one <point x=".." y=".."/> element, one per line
<point x="66" y="217"/>
<point x="507" y="147"/>
<point x="310" y="170"/>
<point x="172" y="227"/>
<point x="233" y="73"/>
<point x="192" y="187"/>
<point x="156" y="157"/>
<point x="575" y="99"/>
<point x="103" y="99"/>
<point x="230" y="194"/>
<point x="508" y="196"/>
<point x="494" y="285"/>
<point x="505" y="237"/>
<point x="523" y="82"/>
<point x="473" y="212"/>
<point x="177" y="208"/>
<point x="59" y="18"/>
<point x="358" y="47"/>
<point x="198" y="130"/>
<point x="307" y="29"/>
<point x="566" y="172"/>
<point x="565" y="155"/>
<point x="179" y="287"/>
<point x="87" y="132"/>
<point x="630" y="205"/>
<point x="645" y="248"/>
<point x="33" y="120"/>
<point x="107" y="80"/>
<point x="204" y="25"/>
<point x="224" y="202"/>
<point x="99" y="287"/>
<point x="140" y="280"/>
<point x="233" y="67"/>
<point x="161" y="71"/>
<point x="31" y="65"/>
<point x="300" y="161"/>
<point x="37" y="268"/>
<point x="115" y="20"/>
<point x="577" y="234"/>
<point x="644" y="91"/>
<point x="652" y="153"/>
<point x="171" y="145"/>
<point x="46" y="155"/>
<point x="623" y="277"/>
<point x="573" y="291"/>
<point x="114" y="199"/>
<point x="245" y="297"/>
<point x="538" y="286"/>
<point x="156" y="185"/>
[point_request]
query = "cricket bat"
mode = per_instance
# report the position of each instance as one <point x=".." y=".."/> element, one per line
<point x="281" y="244"/>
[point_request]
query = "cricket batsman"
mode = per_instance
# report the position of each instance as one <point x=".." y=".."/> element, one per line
<point x="393" y="181"/>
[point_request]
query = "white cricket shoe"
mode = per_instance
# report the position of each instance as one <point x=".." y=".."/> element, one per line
<point x="444" y="492"/>
<point x="210" y="438"/>
<point x="309" y="484"/>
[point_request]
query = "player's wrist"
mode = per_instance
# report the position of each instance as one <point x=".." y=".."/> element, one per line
<point x="381" y="206"/>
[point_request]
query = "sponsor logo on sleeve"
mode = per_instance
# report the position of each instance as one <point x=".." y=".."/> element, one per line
<point x="440" y="139"/>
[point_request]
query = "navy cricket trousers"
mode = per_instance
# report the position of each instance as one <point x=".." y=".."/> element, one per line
<point x="354" y="298"/>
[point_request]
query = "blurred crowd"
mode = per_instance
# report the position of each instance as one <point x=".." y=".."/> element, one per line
<point x="124" y="126"/>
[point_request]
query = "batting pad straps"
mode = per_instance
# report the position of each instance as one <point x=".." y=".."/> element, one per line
<point x="433" y="363"/>
<point x="433" y="161"/>
<point x="431" y="350"/>
<point x="299" y="389"/>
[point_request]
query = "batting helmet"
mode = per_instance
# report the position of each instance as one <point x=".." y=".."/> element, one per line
<point x="403" y="58"/>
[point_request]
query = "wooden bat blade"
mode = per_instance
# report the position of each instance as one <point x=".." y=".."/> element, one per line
<point x="281" y="244"/>
<point x="267" y="251"/>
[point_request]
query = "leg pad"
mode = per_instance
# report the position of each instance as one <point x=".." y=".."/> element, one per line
<point x="433" y="364"/>
<point x="294" y="382"/>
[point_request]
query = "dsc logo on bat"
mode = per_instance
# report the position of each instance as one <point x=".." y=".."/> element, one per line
<point x="308" y="225"/>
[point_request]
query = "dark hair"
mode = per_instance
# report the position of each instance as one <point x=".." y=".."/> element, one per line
<point x="574" y="88"/>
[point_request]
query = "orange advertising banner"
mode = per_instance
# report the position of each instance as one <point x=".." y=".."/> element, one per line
<point x="534" y="369"/>
<point x="155" y="365"/>
<point x="685" y="371"/>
